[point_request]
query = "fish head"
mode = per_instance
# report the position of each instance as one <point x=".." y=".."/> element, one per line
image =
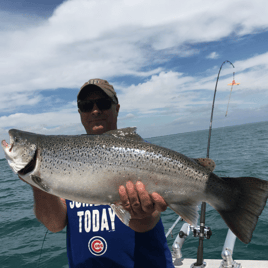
<point x="22" y="149"/>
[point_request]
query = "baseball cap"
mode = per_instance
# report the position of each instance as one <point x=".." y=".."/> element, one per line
<point x="107" y="88"/>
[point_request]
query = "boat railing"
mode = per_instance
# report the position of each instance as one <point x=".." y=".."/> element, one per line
<point x="186" y="229"/>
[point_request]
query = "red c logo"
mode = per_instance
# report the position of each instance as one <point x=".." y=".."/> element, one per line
<point x="97" y="245"/>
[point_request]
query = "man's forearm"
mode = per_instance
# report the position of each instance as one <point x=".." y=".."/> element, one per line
<point x="50" y="210"/>
<point x="146" y="224"/>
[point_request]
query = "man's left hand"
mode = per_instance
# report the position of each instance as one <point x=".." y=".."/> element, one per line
<point x="137" y="201"/>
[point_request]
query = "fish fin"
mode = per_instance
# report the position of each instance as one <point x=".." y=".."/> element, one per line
<point x="127" y="133"/>
<point x="121" y="213"/>
<point x="247" y="206"/>
<point x="188" y="212"/>
<point x="206" y="162"/>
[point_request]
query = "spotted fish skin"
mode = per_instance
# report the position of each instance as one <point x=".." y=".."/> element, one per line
<point x="69" y="163"/>
<point x="90" y="169"/>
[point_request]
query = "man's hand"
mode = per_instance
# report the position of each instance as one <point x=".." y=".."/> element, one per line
<point x="137" y="201"/>
<point x="144" y="208"/>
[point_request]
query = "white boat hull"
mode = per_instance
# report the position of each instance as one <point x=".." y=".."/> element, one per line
<point x="210" y="263"/>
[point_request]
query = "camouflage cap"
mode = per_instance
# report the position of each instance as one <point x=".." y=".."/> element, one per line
<point x="100" y="83"/>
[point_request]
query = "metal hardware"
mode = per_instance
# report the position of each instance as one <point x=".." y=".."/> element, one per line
<point x="172" y="227"/>
<point x="203" y="265"/>
<point x="197" y="231"/>
<point x="227" y="252"/>
<point x="199" y="257"/>
<point x="177" y="245"/>
<point x="228" y="261"/>
<point x="202" y="232"/>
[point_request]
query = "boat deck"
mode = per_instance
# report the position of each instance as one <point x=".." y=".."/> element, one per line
<point x="186" y="263"/>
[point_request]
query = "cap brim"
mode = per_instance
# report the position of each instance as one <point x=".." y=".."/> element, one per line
<point x="87" y="88"/>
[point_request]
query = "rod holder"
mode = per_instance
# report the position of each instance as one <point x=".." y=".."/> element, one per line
<point x="177" y="245"/>
<point x="227" y="252"/>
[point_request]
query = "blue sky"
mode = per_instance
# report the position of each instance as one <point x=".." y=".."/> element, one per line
<point x="162" y="57"/>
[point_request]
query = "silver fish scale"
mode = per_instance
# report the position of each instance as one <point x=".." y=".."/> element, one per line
<point x="145" y="155"/>
<point x="75" y="151"/>
<point x="61" y="156"/>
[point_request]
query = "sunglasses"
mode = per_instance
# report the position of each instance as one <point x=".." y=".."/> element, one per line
<point x="87" y="106"/>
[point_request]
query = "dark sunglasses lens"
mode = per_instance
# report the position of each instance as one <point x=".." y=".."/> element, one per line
<point x="87" y="106"/>
<point x="104" y="104"/>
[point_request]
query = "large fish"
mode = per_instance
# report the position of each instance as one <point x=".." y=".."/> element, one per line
<point x="90" y="168"/>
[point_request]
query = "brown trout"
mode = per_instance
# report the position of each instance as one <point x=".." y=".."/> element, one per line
<point x="90" y="168"/>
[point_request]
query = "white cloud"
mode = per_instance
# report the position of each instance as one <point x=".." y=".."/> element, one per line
<point x="113" y="38"/>
<point x="128" y="116"/>
<point x="213" y="55"/>
<point x="177" y="91"/>
<point x="159" y="92"/>
<point x="9" y="101"/>
<point x="163" y="93"/>
<point x="39" y="121"/>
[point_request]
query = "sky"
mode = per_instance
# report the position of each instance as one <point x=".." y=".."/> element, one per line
<point x="162" y="57"/>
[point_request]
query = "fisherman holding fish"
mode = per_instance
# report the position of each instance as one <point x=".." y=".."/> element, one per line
<point x="72" y="175"/>
<point x="95" y="235"/>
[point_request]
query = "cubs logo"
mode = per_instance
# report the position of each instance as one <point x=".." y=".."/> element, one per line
<point x="97" y="245"/>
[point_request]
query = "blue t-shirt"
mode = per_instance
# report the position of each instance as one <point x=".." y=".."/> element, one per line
<point x="97" y="238"/>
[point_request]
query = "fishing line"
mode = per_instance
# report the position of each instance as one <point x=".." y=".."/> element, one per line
<point x="219" y="145"/>
<point x="230" y="93"/>
<point x="42" y="248"/>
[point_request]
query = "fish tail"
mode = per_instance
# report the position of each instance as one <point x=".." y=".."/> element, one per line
<point x="247" y="203"/>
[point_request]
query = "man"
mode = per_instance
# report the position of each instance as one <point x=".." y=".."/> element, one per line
<point x="95" y="236"/>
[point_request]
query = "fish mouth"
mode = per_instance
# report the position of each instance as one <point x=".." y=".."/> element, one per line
<point x="30" y="166"/>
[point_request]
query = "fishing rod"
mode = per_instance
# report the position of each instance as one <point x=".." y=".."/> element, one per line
<point x="212" y="110"/>
<point x="200" y="260"/>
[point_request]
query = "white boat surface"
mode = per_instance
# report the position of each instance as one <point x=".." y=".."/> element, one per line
<point x="216" y="263"/>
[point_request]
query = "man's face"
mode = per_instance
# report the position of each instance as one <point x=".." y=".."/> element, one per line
<point x="99" y="121"/>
